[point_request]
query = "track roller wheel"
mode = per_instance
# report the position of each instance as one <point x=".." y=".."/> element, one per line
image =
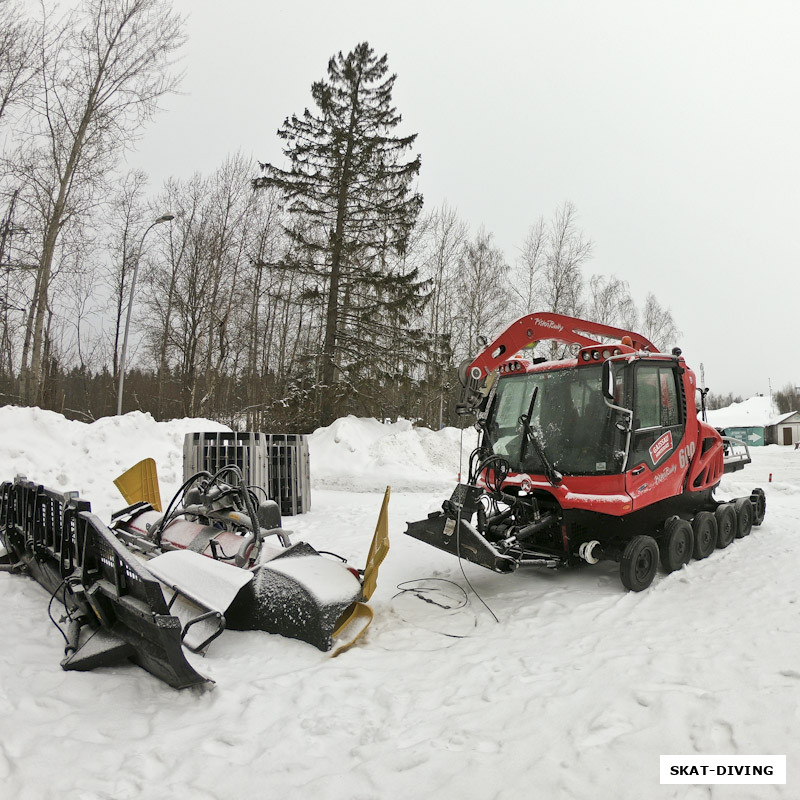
<point x="759" y="501"/>
<point x="704" y="526"/>
<point x="726" y="524"/>
<point x="744" y="517"/>
<point x="639" y="563"/>
<point x="676" y="544"/>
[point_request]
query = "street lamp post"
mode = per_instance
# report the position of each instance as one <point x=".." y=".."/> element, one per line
<point x="163" y="218"/>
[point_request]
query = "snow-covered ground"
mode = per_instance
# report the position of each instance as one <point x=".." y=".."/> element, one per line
<point x="573" y="693"/>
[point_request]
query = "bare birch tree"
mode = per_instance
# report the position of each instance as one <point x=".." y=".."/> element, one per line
<point x="561" y="283"/>
<point x="483" y="292"/>
<point x="102" y="70"/>
<point x="127" y="224"/>
<point x="610" y="302"/>
<point x="440" y="240"/>
<point x="530" y="268"/>
<point x="17" y="56"/>
<point x="657" y="323"/>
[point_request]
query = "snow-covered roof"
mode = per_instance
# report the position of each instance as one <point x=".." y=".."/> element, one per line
<point x="784" y="418"/>
<point x="756" y="412"/>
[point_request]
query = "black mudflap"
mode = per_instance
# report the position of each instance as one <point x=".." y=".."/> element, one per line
<point x="118" y="611"/>
<point x="459" y="538"/>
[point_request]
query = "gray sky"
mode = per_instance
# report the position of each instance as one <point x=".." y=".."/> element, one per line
<point x="674" y="128"/>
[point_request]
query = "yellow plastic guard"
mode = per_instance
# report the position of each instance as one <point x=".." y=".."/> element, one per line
<point x="378" y="549"/>
<point x="140" y="483"/>
<point x="351" y="629"/>
<point x="357" y="621"/>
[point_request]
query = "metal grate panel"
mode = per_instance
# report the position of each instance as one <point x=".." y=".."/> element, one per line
<point x="278" y="463"/>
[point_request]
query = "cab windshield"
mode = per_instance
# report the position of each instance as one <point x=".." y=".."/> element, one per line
<point x="569" y="418"/>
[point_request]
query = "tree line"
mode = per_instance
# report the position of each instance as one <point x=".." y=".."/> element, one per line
<point x="785" y="400"/>
<point x="268" y="297"/>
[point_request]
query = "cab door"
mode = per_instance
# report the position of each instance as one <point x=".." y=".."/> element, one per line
<point x="654" y="471"/>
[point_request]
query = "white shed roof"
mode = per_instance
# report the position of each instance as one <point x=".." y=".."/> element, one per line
<point x="756" y="412"/>
<point x="786" y="418"/>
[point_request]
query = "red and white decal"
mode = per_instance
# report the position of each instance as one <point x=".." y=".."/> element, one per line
<point x="661" y="447"/>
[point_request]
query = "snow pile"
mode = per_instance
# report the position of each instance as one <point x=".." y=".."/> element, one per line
<point x="366" y="455"/>
<point x="755" y="412"/>
<point x="67" y="455"/>
<point x="573" y="693"/>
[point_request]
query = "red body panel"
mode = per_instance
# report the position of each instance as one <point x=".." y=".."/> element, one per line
<point x="604" y="494"/>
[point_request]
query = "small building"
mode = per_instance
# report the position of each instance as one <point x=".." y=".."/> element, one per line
<point x="785" y="430"/>
<point x="756" y="422"/>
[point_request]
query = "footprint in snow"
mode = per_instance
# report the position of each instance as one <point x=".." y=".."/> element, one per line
<point x="607" y="734"/>
<point x="789" y="673"/>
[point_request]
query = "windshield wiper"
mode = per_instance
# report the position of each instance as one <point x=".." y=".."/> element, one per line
<point x="550" y="472"/>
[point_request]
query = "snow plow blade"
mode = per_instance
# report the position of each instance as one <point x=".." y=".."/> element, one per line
<point x="451" y="530"/>
<point x="116" y="610"/>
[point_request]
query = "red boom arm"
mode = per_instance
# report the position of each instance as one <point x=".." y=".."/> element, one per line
<point x="545" y="326"/>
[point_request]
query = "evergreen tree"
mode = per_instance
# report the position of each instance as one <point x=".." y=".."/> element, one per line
<point x="349" y="194"/>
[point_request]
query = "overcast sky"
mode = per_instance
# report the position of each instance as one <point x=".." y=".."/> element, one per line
<point x="674" y="128"/>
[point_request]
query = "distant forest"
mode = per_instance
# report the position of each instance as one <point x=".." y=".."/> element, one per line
<point x="270" y="298"/>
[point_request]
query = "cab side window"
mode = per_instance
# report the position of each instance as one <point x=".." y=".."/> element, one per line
<point x="656" y="410"/>
<point x="656" y="397"/>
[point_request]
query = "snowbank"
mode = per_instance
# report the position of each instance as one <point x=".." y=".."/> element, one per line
<point x="352" y="453"/>
<point x="366" y="455"/>
<point x="68" y="455"/>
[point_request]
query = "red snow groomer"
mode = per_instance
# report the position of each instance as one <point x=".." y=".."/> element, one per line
<point x="597" y="457"/>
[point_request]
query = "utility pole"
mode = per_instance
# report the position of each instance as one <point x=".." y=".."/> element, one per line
<point x="163" y="218"/>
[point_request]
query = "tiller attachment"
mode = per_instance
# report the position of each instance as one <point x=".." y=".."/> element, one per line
<point x="253" y="581"/>
<point x="207" y="553"/>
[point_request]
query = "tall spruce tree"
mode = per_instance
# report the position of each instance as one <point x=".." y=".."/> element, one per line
<point x="348" y="190"/>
